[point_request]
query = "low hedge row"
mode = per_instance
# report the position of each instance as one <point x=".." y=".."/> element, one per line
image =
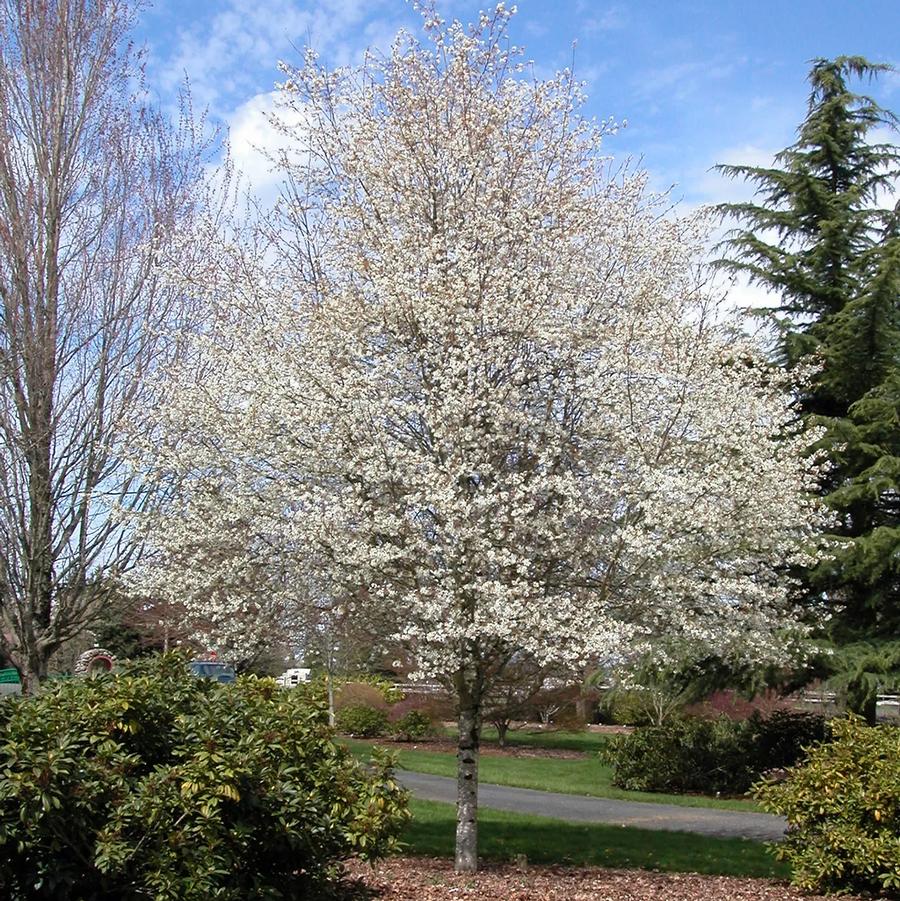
<point x="362" y="721"/>
<point x="709" y="756"/>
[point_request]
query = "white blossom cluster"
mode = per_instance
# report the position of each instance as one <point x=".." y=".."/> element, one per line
<point x="474" y="374"/>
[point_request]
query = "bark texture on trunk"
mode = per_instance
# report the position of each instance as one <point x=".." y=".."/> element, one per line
<point x="584" y="709"/>
<point x="34" y="673"/>
<point x="329" y="681"/>
<point x="467" y="785"/>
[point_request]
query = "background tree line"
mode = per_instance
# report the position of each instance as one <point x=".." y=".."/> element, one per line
<point x="819" y="237"/>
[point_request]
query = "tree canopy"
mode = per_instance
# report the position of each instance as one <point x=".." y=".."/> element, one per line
<point x="818" y="236"/>
<point x="473" y="379"/>
<point x="93" y="183"/>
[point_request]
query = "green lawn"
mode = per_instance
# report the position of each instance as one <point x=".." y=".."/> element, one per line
<point x="589" y="742"/>
<point x="503" y="835"/>
<point x="582" y="776"/>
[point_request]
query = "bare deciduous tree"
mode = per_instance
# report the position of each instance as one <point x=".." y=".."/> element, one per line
<point x="93" y="183"/>
<point x="522" y="686"/>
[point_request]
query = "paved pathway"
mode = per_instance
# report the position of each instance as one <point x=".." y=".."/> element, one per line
<point x="577" y="808"/>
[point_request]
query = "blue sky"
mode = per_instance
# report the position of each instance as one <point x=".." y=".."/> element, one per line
<point x="698" y="82"/>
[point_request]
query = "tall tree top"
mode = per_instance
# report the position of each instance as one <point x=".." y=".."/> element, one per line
<point x="815" y="212"/>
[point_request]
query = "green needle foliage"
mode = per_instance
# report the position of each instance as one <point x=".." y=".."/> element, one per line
<point x="816" y="236"/>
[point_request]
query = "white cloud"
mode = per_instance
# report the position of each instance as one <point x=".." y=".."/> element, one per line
<point x="231" y="54"/>
<point x="610" y="19"/>
<point x="890" y="195"/>
<point x="680" y="81"/>
<point x="709" y="186"/>
<point x="535" y="29"/>
<point x="891" y="79"/>
<point x="740" y="294"/>
<point x="255" y="143"/>
<point x="228" y="55"/>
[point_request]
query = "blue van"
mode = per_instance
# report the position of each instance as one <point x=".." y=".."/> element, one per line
<point x="213" y="669"/>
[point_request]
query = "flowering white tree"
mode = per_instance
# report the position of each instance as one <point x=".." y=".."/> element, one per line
<point x="478" y="377"/>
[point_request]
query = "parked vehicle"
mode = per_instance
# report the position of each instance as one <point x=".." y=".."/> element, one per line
<point x="213" y="669"/>
<point x="292" y="677"/>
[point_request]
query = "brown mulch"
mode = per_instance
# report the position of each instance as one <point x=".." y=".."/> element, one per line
<point x="432" y="879"/>
<point x="450" y="747"/>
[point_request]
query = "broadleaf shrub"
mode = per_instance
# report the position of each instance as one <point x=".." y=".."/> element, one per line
<point x="414" y="725"/>
<point x="361" y="721"/>
<point x="684" y="755"/>
<point x="843" y="809"/>
<point x="701" y="755"/>
<point x="780" y="739"/>
<point x="436" y="707"/>
<point x="155" y="784"/>
<point x="418" y="717"/>
<point x="626" y="707"/>
<point x="365" y="688"/>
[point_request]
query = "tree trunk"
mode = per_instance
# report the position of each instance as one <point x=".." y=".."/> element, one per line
<point x="502" y="729"/>
<point x="584" y="709"/>
<point x="467" y="784"/>
<point x="33" y="671"/>
<point x="329" y="682"/>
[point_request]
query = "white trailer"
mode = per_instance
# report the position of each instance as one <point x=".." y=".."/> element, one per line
<point x="290" y="678"/>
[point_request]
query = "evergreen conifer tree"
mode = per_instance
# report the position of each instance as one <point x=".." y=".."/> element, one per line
<point x="816" y="236"/>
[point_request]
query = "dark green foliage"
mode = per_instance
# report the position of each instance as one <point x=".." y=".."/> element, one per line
<point x="624" y="707"/>
<point x="119" y="629"/>
<point x="155" y="784"/>
<point x="779" y="740"/>
<point x="683" y="755"/>
<point x="361" y="721"/>
<point x="843" y="807"/>
<point x="817" y="237"/>
<point x="809" y="234"/>
<point x="706" y="756"/>
<point x="413" y="726"/>
<point x="862" y="669"/>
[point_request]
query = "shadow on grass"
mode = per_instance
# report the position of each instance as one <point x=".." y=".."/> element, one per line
<point x="585" y="742"/>
<point x="503" y="836"/>
<point x="586" y="775"/>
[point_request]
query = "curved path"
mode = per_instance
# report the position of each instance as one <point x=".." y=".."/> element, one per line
<point x="578" y="808"/>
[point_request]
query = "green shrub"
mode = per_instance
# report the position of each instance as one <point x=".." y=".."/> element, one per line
<point x="154" y="784"/>
<point x="414" y="725"/>
<point x="624" y="707"/>
<point x="361" y="721"/>
<point x="360" y="694"/>
<point x="706" y="756"/>
<point x="781" y="739"/>
<point x="843" y="809"/>
<point x="684" y="755"/>
<point x="390" y="691"/>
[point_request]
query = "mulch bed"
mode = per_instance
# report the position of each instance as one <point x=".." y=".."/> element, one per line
<point x="450" y="747"/>
<point x="431" y="879"/>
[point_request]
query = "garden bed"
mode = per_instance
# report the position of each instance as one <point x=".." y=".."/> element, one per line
<point x="444" y="746"/>
<point x="432" y="879"/>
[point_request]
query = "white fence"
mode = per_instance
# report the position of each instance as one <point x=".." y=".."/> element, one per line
<point x="887" y="706"/>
